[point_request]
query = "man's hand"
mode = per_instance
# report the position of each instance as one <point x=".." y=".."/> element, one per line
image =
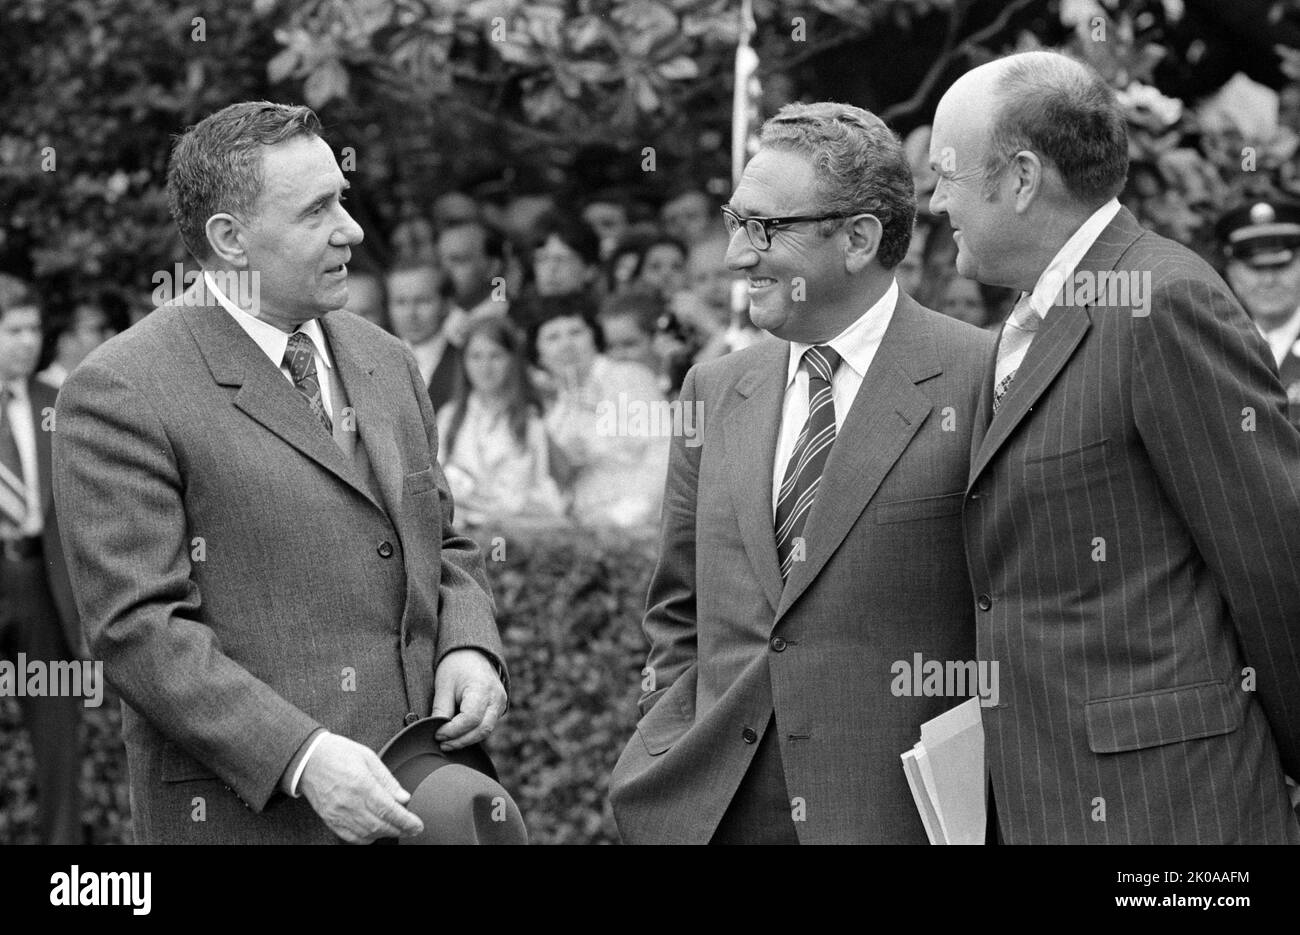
<point x="467" y="686"/>
<point x="355" y="794"/>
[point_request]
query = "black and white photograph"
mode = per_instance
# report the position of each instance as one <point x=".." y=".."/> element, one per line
<point x="668" y="422"/>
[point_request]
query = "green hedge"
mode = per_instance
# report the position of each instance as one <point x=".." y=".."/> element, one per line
<point x="569" y="605"/>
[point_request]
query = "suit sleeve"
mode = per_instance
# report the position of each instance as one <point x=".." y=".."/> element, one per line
<point x="669" y="622"/>
<point x="119" y="495"/>
<point x="466" y="611"/>
<point x="1211" y="414"/>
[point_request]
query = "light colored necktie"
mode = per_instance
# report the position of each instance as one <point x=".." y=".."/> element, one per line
<point x="803" y="471"/>
<point x="13" y="489"/>
<point x="1016" y="336"/>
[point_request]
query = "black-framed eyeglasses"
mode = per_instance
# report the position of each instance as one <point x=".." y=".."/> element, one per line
<point x="759" y="230"/>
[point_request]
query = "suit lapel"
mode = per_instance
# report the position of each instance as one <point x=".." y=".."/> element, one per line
<point x="885" y="415"/>
<point x="1054" y="345"/>
<point x="39" y="397"/>
<point x="751" y="446"/>
<point x="263" y="393"/>
<point x="372" y="413"/>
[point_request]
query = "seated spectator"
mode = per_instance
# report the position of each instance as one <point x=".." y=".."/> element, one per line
<point x="628" y="319"/>
<point x="71" y="335"/>
<point x="417" y="308"/>
<point x="663" y="266"/>
<point x="566" y="256"/>
<point x="618" y="463"/>
<point x="474" y="257"/>
<point x="688" y="216"/>
<point x="975" y="303"/>
<point x="606" y="214"/>
<point x="366" y="298"/>
<point x="492" y="442"/>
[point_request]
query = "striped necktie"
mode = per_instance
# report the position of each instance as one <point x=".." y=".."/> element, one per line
<point x="1016" y="336"/>
<point x="803" y="472"/>
<point x="13" y="489"/>
<point x="300" y="358"/>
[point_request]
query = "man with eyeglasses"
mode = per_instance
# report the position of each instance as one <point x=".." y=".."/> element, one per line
<point x="811" y="539"/>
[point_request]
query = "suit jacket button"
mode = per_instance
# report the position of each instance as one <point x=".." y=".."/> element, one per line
<point x="985" y="602"/>
<point x="749" y="735"/>
<point x="778" y="644"/>
<point x="411" y="718"/>
<point x="385" y="549"/>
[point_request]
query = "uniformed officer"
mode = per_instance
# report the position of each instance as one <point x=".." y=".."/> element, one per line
<point x="1261" y="242"/>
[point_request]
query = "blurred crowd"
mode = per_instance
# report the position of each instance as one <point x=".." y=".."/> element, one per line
<point x="534" y="324"/>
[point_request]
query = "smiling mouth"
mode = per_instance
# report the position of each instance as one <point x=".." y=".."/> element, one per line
<point x="760" y="282"/>
<point x="337" y="270"/>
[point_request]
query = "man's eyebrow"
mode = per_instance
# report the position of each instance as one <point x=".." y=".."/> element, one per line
<point x="326" y="197"/>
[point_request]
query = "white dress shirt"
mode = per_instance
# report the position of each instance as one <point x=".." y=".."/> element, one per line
<point x="275" y="342"/>
<point x="1060" y="270"/>
<point x="857" y="345"/>
<point x="1283" y="340"/>
<point x="18" y="416"/>
<point x="53" y="375"/>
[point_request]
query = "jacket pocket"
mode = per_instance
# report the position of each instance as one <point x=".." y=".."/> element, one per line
<point x="665" y="724"/>
<point x="1092" y="453"/>
<point x="419" y="482"/>
<point x="902" y="511"/>
<point x="1156" y="718"/>
<point x="179" y="766"/>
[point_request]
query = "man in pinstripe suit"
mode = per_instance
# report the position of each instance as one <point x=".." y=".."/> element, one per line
<point x="1133" y="514"/>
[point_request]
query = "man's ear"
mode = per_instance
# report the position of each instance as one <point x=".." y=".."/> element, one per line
<point x="1027" y="178"/>
<point x="226" y="238"/>
<point x="865" y="231"/>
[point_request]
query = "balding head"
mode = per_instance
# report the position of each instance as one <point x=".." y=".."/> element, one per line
<point x="1051" y="105"/>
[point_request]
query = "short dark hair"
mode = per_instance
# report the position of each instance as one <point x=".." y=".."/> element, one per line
<point x="1064" y="111"/>
<point x="860" y="166"/>
<point x="536" y="310"/>
<point x="216" y="165"/>
<point x="573" y="232"/>
<point x="21" y="296"/>
<point x="641" y="302"/>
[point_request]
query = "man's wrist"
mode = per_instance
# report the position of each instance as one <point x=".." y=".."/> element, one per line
<point x="293" y="773"/>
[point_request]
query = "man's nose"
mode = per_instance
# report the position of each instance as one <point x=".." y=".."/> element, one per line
<point x="938" y="201"/>
<point x="349" y="232"/>
<point x="740" y="252"/>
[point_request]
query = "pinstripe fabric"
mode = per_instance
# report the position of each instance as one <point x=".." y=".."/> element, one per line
<point x="804" y="469"/>
<point x="1133" y="533"/>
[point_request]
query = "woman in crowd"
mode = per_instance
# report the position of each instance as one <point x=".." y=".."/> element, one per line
<point x="493" y="445"/>
<point x="607" y="417"/>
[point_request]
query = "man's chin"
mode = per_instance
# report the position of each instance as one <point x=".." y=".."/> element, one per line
<point x="772" y="321"/>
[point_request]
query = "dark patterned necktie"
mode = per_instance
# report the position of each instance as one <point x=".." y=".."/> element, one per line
<point x="13" y="489"/>
<point x="803" y="472"/>
<point x="300" y="358"/>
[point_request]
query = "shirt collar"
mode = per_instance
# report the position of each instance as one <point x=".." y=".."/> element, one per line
<point x="268" y="337"/>
<point x="857" y="343"/>
<point x="1062" y="267"/>
<point x="1284" y="339"/>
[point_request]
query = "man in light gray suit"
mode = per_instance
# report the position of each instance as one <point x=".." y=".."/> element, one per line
<point x="1133" y="512"/>
<point x="811" y="539"/>
<point x="258" y="532"/>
